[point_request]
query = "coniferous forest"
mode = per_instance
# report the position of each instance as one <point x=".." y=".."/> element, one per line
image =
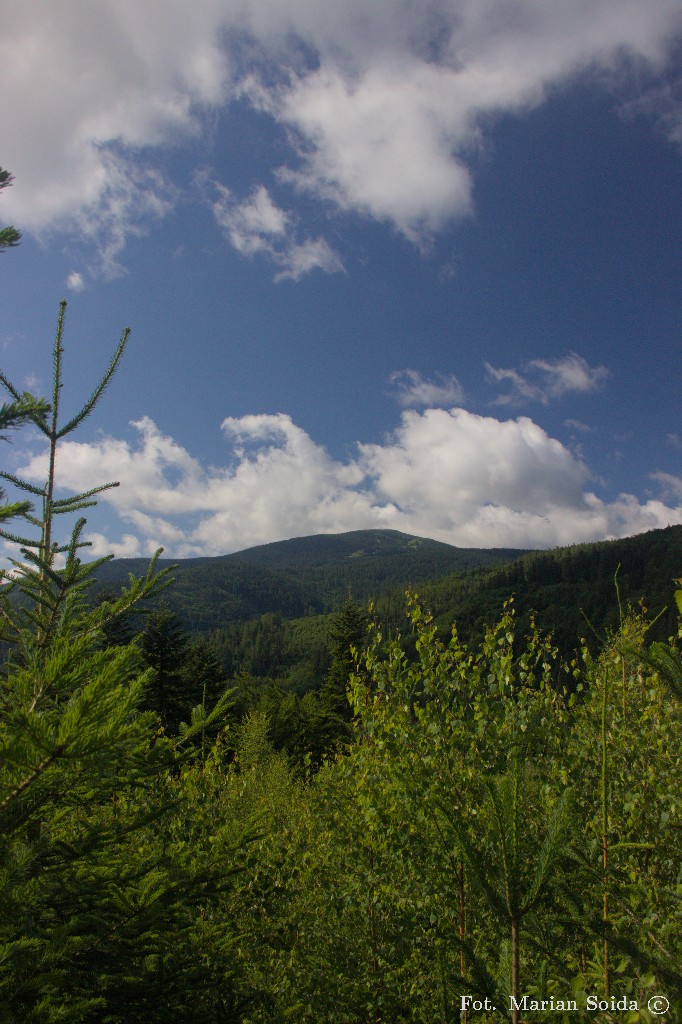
<point x="352" y="812"/>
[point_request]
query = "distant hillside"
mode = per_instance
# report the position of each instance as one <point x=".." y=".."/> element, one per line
<point x="572" y="589"/>
<point x="307" y="575"/>
<point x="268" y="609"/>
<point x="387" y="549"/>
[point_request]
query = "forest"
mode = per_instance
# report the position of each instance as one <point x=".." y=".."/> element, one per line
<point x="424" y="821"/>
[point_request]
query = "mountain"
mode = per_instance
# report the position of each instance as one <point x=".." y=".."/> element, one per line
<point x="269" y="608"/>
<point x="577" y="591"/>
<point x="303" y="576"/>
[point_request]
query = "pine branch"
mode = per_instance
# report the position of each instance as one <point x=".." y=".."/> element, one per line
<point x="23" y="542"/>
<point x="33" y="520"/>
<point x="476" y="860"/>
<point x="24" y="407"/>
<point x="7" y="384"/>
<point x="19" y="508"/>
<point x="551" y="849"/>
<point x="59" y="549"/>
<point x="64" y="502"/>
<point x="57" y="353"/>
<point x="75" y="507"/>
<point x="9" y="238"/>
<point x="23" y="485"/>
<point x="30" y="778"/>
<point x="499" y="802"/>
<point x="43" y="567"/>
<point x="139" y="589"/>
<point x="99" y="390"/>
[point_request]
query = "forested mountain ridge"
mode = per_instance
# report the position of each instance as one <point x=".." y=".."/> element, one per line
<point x="268" y="611"/>
<point x="570" y="588"/>
<point x="574" y="590"/>
<point x="306" y="575"/>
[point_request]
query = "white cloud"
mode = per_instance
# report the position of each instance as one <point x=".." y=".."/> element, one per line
<point x="546" y="379"/>
<point x="469" y="480"/>
<point x="382" y="145"/>
<point x="128" y="547"/>
<point x="253" y="225"/>
<point x="413" y="390"/>
<point x="572" y="373"/>
<point x="99" y="85"/>
<point x="132" y="199"/>
<point x="579" y="426"/>
<point x="385" y="101"/>
<point x="663" y="104"/>
<point x="257" y="225"/>
<point x="75" y="282"/>
<point x="671" y="485"/>
<point x="299" y="258"/>
<point x="388" y="117"/>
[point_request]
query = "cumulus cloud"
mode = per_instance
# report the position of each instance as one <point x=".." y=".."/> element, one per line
<point x="545" y="379"/>
<point x="258" y="225"/>
<point x="382" y="145"/>
<point x="98" y="86"/>
<point x="470" y="480"/>
<point x="413" y="390"/>
<point x="384" y="102"/>
<point x="387" y="125"/>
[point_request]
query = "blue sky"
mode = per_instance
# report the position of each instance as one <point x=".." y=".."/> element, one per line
<point x="385" y="265"/>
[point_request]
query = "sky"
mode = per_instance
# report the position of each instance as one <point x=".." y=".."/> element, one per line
<point x="385" y="265"/>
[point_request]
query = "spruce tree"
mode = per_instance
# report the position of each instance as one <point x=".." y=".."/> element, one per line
<point x="347" y="638"/>
<point x="95" y="884"/>
<point x="163" y="644"/>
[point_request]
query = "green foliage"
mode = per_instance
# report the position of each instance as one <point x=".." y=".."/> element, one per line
<point x="98" y="893"/>
<point x="173" y="848"/>
<point x="163" y="646"/>
<point x="629" y="787"/>
<point x="445" y="740"/>
<point x="9" y="236"/>
<point x="347" y="636"/>
<point x="13" y="414"/>
<point x="305" y="727"/>
<point x="457" y="847"/>
<point x="567" y="588"/>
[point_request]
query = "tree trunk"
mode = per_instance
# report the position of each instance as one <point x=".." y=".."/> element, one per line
<point x="462" y="920"/>
<point x="462" y="930"/>
<point x="515" y="979"/>
<point x="605" y="833"/>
